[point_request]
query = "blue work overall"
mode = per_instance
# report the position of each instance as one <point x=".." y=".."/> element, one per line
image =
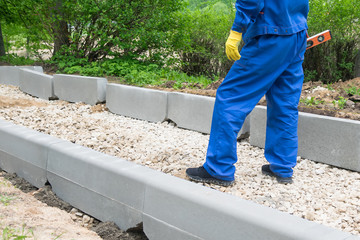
<point x="270" y="65"/>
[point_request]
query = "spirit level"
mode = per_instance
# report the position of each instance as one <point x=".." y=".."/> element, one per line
<point x="318" y="39"/>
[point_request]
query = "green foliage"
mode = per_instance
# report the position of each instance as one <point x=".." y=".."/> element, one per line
<point x="311" y="101"/>
<point x="340" y="102"/>
<point x="335" y="59"/>
<point x="95" y="29"/>
<point x="353" y="90"/>
<point x="22" y="28"/>
<point x="16" y="60"/>
<point x="118" y="28"/>
<point x="199" y="4"/>
<point x="187" y="36"/>
<point x="130" y="71"/>
<point x="310" y="75"/>
<point x="199" y="39"/>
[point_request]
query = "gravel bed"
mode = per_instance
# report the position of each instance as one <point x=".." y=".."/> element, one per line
<point x="320" y="193"/>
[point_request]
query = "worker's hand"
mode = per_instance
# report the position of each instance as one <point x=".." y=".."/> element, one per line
<point x="232" y="45"/>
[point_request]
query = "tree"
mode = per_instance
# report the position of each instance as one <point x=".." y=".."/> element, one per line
<point x="129" y="28"/>
<point x="17" y="14"/>
<point x="59" y="27"/>
<point x="96" y="29"/>
<point x="2" y="45"/>
<point x="4" y="15"/>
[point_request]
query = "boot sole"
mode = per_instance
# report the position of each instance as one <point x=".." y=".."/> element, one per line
<point x="211" y="180"/>
<point x="279" y="179"/>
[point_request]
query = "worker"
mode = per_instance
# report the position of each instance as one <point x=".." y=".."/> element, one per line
<point x="270" y="64"/>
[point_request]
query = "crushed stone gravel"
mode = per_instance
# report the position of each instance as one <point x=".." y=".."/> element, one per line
<point x="320" y="193"/>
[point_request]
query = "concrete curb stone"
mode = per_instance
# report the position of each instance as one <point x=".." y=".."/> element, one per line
<point x="25" y="152"/>
<point x="37" y="84"/>
<point x="72" y="88"/>
<point x="194" y="112"/>
<point x="141" y="103"/>
<point x="10" y="75"/>
<point x="156" y="229"/>
<point x="102" y="178"/>
<point x="191" y="111"/>
<point x="94" y="204"/>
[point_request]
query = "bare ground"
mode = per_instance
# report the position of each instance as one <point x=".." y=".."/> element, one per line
<point x="22" y="215"/>
<point x="40" y="214"/>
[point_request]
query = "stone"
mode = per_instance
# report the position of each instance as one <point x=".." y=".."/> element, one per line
<point x="86" y="219"/>
<point x="73" y="211"/>
<point x="350" y="103"/>
<point x="79" y="214"/>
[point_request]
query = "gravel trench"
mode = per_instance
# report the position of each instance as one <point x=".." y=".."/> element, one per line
<point x="320" y="193"/>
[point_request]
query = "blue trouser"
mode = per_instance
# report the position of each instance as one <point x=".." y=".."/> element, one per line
<point x="270" y="65"/>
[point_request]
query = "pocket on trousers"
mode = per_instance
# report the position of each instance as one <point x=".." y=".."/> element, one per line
<point x="303" y="45"/>
<point x="248" y="52"/>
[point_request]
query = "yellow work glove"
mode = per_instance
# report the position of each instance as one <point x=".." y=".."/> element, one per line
<point x="232" y="45"/>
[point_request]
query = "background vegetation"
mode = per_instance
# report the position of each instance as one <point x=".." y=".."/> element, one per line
<point x="334" y="60"/>
<point x="156" y="41"/>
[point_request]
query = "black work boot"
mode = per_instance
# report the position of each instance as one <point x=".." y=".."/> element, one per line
<point x="201" y="175"/>
<point x="265" y="169"/>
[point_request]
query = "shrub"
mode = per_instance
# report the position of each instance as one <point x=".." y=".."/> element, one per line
<point x="335" y="59"/>
<point x="199" y="39"/>
<point x="95" y="29"/>
<point x="16" y="60"/>
<point x="130" y="71"/>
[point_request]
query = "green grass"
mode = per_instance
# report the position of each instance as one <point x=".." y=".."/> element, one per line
<point x="10" y="233"/>
<point x="311" y="101"/>
<point x="353" y="91"/>
<point x="6" y="199"/>
<point x="340" y="103"/>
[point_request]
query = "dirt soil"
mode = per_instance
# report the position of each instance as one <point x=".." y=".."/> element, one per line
<point x="39" y="214"/>
<point x="316" y="97"/>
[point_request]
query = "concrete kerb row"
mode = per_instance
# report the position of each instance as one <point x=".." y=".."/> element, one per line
<point x="329" y="140"/>
<point x="113" y="189"/>
<point x="187" y="111"/>
<point x="11" y="74"/>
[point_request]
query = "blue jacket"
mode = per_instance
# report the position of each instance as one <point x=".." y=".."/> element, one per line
<point x="280" y="17"/>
